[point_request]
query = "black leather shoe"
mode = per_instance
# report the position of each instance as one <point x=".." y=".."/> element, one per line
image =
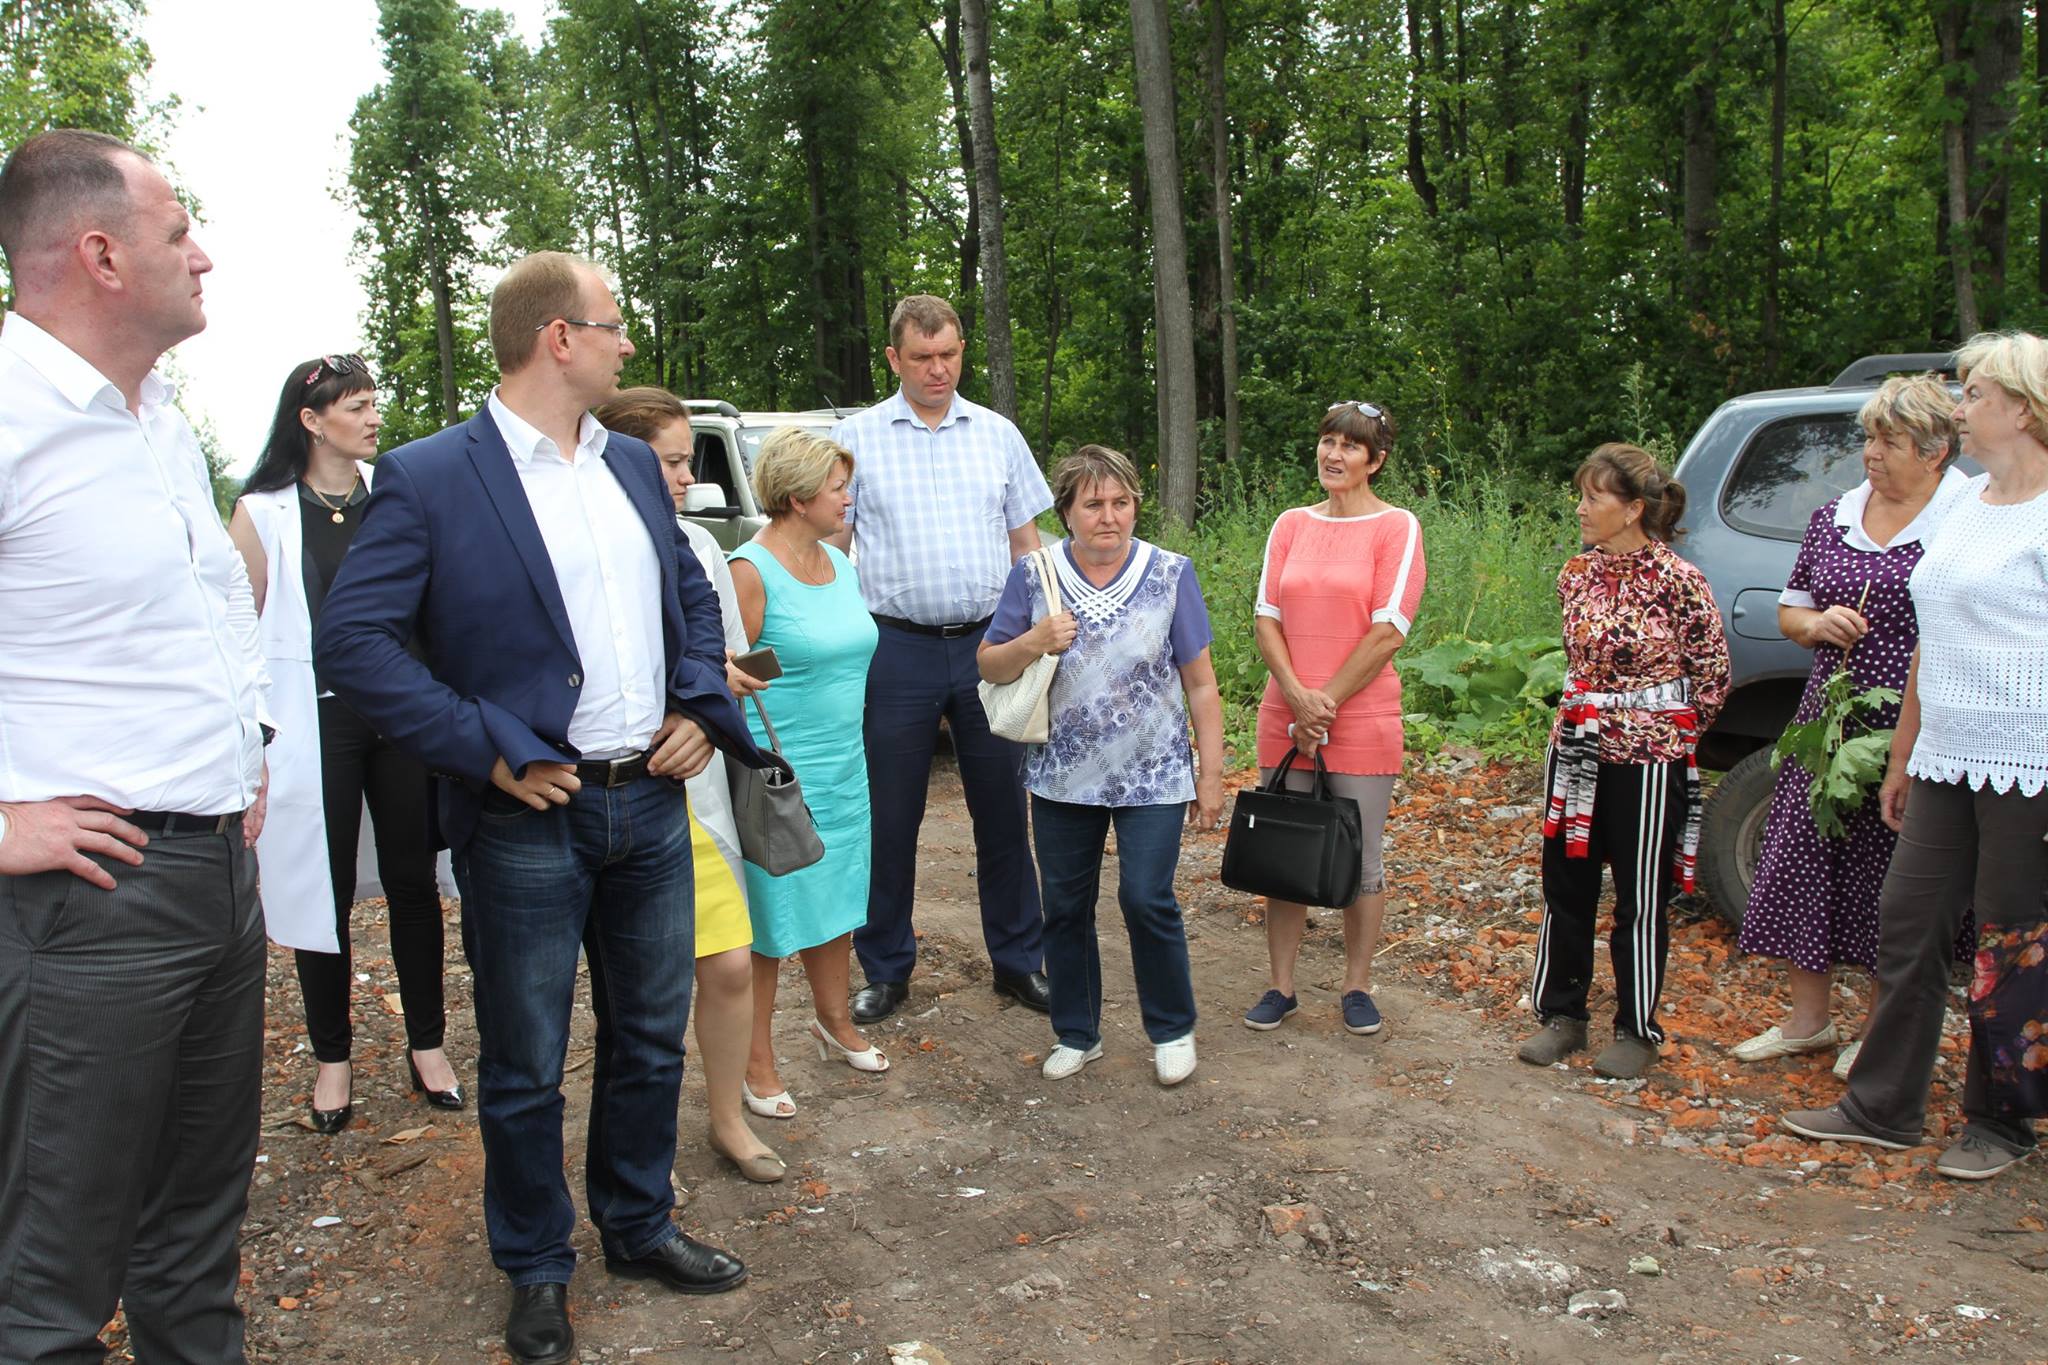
<point x="878" y="1000"/>
<point x="537" y="1330"/>
<point x="330" y="1121"/>
<point x="451" y="1098"/>
<point x="684" y="1265"/>
<point x="1031" y="990"/>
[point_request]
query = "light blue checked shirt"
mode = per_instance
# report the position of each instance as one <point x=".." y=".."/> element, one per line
<point x="933" y="510"/>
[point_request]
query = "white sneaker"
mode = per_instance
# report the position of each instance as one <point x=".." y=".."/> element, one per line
<point x="1174" y="1061"/>
<point x="1847" y="1060"/>
<point x="1067" y="1061"/>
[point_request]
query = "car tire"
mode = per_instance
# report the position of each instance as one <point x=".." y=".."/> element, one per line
<point x="1732" y="833"/>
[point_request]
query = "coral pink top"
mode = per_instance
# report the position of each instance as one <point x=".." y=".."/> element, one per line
<point x="1327" y="581"/>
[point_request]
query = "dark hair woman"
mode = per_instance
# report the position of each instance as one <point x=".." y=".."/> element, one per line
<point x="293" y="523"/>
<point x="1647" y="672"/>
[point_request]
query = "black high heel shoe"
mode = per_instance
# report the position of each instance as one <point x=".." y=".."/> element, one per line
<point x="332" y="1121"/>
<point x="451" y="1098"/>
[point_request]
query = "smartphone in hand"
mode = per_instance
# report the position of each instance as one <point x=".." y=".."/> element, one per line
<point x="759" y="663"/>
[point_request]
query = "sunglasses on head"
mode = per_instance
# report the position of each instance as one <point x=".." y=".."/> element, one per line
<point x="1368" y="409"/>
<point x="336" y="365"/>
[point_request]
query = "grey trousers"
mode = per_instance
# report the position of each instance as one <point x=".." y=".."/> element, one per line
<point x="131" y="1044"/>
<point x="1958" y="847"/>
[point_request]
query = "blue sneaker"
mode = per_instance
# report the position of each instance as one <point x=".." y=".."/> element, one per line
<point x="1360" y="1014"/>
<point x="1271" y="1009"/>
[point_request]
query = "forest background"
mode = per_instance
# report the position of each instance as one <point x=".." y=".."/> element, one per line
<point x="1184" y="227"/>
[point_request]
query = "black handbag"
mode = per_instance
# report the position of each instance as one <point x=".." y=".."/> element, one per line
<point x="1294" y="846"/>
<point x="775" y="827"/>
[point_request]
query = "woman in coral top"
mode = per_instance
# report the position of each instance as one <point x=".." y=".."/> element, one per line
<point x="1339" y="590"/>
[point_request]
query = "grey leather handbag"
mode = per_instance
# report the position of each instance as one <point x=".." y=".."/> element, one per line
<point x="775" y="827"/>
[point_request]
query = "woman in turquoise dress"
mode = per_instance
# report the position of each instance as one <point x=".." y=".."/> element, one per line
<point x="799" y="595"/>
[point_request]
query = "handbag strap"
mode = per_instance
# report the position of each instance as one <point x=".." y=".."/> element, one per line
<point x="1319" y="789"/>
<point x="1041" y="559"/>
<point x="774" y="744"/>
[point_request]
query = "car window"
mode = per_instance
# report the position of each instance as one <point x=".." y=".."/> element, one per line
<point x="1790" y="469"/>
<point x="752" y="437"/>
<point x="714" y="462"/>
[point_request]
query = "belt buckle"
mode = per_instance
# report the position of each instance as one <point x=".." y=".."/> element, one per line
<point x="952" y="632"/>
<point x="221" y="823"/>
<point x="612" y="766"/>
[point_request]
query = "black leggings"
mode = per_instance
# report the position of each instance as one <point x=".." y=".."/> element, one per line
<point x="357" y="764"/>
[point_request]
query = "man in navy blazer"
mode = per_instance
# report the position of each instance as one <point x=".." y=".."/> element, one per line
<point x="570" y="674"/>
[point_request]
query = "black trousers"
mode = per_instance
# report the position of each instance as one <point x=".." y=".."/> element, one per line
<point x="358" y="764"/>
<point x="131" y="1051"/>
<point x="1638" y="819"/>
<point x="1959" y="847"/>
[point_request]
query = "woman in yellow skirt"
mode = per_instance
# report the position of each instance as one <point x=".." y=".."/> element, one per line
<point x="725" y="991"/>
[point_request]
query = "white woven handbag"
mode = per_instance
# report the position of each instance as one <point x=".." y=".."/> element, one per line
<point x="1021" y="709"/>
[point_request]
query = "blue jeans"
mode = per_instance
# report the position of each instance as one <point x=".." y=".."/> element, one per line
<point x="1070" y="841"/>
<point x="612" y="870"/>
<point x="913" y="680"/>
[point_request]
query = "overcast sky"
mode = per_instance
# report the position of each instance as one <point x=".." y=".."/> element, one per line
<point x="262" y="141"/>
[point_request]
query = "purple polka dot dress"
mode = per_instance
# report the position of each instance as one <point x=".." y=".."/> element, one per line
<point x="1814" y="901"/>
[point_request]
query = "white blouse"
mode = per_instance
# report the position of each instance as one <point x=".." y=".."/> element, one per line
<point x="1981" y="592"/>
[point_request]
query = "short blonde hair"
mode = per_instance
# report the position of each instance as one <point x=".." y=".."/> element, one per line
<point x="536" y="290"/>
<point x="1089" y="465"/>
<point x="1918" y="407"/>
<point x="2018" y="363"/>
<point x="793" y="465"/>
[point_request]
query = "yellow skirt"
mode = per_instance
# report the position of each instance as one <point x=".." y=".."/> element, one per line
<point x="722" y="921"/>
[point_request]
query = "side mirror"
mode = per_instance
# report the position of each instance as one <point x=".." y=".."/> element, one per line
<point x="707" y="500"/>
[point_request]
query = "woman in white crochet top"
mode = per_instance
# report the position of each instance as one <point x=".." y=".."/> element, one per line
<point x="1967" y="789"/>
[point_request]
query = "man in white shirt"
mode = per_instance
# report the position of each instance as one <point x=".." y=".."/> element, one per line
<point x="573" y="675"/>
<point x="945" y="500"/>
<point x="131" y="778"/>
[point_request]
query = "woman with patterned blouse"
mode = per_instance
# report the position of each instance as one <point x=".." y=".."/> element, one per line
<point x="1648" y="671"/>
<point x="1132" y="634"/>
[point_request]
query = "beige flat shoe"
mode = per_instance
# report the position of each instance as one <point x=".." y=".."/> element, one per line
<point x="1772" y="1042"/>
<point x="765" y="1169"/>
<point x="1847" y="1059"/>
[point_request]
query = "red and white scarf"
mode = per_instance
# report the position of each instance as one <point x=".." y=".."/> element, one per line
<point x="1576" y="772"/>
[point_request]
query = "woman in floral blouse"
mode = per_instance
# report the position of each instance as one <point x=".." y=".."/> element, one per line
<point x="1132" y="634"/>
<point x="1648" y="671"/>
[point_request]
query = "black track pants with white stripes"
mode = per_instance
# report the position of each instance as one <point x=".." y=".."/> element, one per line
<point x="1638" y="817"/>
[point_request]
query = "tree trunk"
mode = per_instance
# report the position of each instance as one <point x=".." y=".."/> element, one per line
<point x="963" y="133"/>
<point x="1577" y="134"/>
<point x="1774" y="220"/>
<point x="1951" y="20"/>
<point x="995" y="269"/>
<point x="1702" y="216"/>
<point x="1418" y="168"/>
<point x="1511" y="93"/>
<point x="1054" y="296"/>
<point x="1226" y="265"/>
<point x="1174" y="324"/>
<point x="442" y="288"/>
<point x="2041" y="96"/>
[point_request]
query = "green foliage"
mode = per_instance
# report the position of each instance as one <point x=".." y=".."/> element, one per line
<point x="1846" y="765"/>
<point x="1497" y="696"/>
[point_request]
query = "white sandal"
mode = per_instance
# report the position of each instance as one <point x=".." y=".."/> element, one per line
<point x="776" y="1106"/>
<point x="869" y="1060"/>
<point x="1772" y="1042"/>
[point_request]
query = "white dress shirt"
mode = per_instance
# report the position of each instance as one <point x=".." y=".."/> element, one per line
<point x="610" y="580"/>
<point x="129" y="663"/>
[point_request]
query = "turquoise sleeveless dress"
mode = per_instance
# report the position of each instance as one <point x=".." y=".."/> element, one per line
<point x="823" y="638"/>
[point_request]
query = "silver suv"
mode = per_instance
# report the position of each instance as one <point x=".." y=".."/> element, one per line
<point x="1754" y="474"/>
<point x="722" y="500"/>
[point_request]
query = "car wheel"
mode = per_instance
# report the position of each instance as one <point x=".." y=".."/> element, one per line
<point x="1732" y="833"/>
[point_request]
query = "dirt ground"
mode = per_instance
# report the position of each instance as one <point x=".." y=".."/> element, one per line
<point x="1307" y="1196"/>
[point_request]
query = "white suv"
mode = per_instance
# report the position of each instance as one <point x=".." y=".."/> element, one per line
<point x="722" y="500"/>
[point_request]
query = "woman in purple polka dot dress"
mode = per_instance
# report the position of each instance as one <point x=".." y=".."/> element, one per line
<point x="1814" y="902"/>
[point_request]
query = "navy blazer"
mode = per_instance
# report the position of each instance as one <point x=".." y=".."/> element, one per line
<point x="449" y="554"/>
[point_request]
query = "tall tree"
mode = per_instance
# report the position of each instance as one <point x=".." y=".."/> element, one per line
<point x="1774" y="220"/>
<point x="1980" y="44"/>
<point x="995" y="269"/>
<point x="1226" y="263"/>
<point x="1174" y="320"/>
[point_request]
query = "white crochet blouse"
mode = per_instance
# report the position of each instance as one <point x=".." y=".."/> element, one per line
<point x="1981" y="592"/>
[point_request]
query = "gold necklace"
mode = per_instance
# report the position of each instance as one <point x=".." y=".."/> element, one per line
<point x="335" y="508"/>
<point x="802" y="574"/>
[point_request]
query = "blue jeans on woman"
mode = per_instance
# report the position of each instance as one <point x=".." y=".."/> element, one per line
<point x="1070" y="841"/>
<point x="610" y="869"/>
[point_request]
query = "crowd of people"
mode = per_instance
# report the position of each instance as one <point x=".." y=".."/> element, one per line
<point x="506" y="640"/>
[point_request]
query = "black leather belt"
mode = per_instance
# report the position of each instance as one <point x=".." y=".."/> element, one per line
<point x="159" y="823"/>
<point x="612" y="772"/>
<point x="943" y="632"/>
